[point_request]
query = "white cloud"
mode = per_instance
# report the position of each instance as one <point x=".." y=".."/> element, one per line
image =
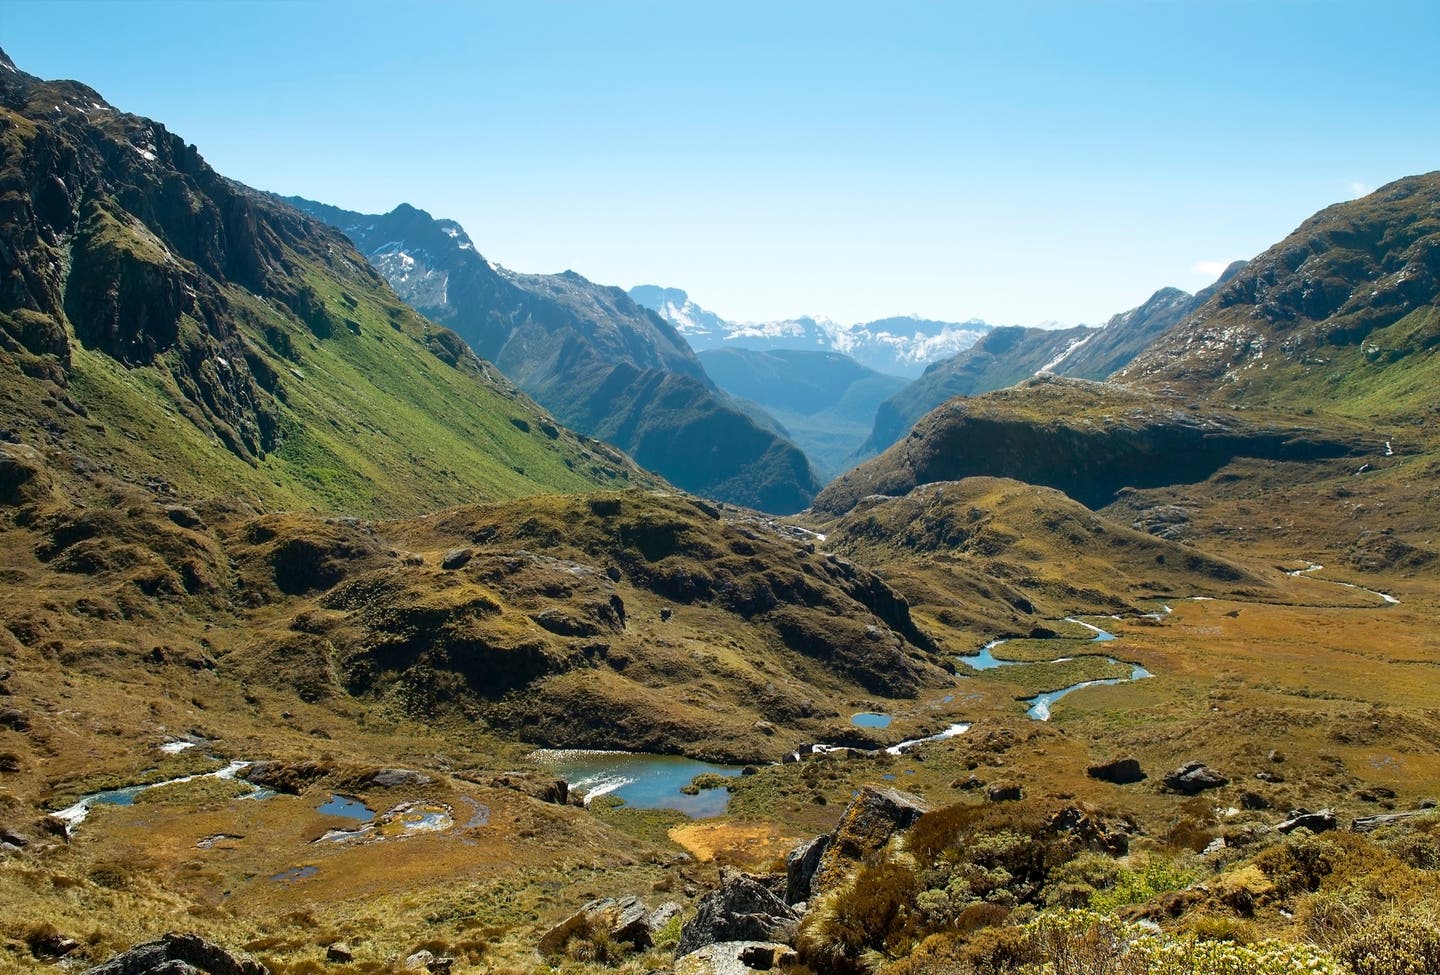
<point x="1210" y="269"/>
<point x="1358" y="189"/>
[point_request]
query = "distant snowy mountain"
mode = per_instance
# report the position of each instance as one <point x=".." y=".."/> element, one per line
<point x="901" y="346"/>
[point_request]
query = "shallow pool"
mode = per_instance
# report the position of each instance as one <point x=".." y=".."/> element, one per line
<point x="642" y="780"/>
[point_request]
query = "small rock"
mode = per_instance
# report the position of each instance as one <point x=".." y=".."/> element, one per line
<point x="339" y="951"/>
<point x="1194" y="777"/>
<point x="14" y="838"/>
<point x="968" y="784"/>
<point x="14" y="719"/>
<point x="457" y="558"/>
<point x="1275" y="755"/>
<point x="1274" y="778"/>
<point x="1120" y="771"/>
<point x="421" y="959"/>
<point x="764" y="727"/>
<point x="546" y="788"/>
<point x="1217" y="845"/>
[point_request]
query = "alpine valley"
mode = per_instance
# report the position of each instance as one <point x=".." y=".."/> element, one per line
<point x="369" y="607"/>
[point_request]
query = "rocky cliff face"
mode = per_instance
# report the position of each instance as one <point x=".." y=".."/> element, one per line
<point x="151" y="308"/>
<point x="1086" y="439"/>
<point x="115" y="226"/>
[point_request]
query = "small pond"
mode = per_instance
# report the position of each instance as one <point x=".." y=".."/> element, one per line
<point x="643" y="781"/>
<point x="871" y="719"/>
<point x="338" y="805"/>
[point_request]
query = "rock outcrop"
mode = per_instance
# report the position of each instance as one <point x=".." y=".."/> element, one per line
<point x="741" y="909"/>
<point x="179" y="954"/>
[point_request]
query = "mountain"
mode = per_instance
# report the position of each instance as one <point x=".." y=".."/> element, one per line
<point x="1007" y="355"/>
<point x="900" y="346"/>
<point x="1343" y="315"/>
<point x="1002" y="357"/>
<point x="1129" y="333"/>
<point x="602" y="363"/>
<point x="825" y="400"/>
<point x="177" y="328"/>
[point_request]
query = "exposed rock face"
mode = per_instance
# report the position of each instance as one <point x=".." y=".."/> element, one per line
<point x="1368" y="824"/>
<point x="1120" y="771"/>
<point x="800" y="867"/>
<point x="1194" y="777"/>
<point x="179" y="954"/>
<point x="742" y="909"/>
<point x="871" y="819"/>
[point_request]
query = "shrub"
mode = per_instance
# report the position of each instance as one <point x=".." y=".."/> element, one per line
<point x="1395" y="944"/>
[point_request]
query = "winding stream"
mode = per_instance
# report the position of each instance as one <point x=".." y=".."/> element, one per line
<point x="1039" y="709"/>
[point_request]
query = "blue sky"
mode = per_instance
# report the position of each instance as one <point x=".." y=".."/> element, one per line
<point x="1014" y="161"/>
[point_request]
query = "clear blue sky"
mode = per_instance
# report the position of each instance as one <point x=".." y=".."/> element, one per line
<point x="1015" y="161"/>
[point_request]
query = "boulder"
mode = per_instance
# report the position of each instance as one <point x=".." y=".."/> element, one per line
<point x="457" y="558"/>
<point x="1120" y="771"/>
<point x="14" y="719"/>
<point x="1253" y="800"/>
<point x="179" y="954"/>
<point x="395" y="778"/>
<point x="1194" y="777"/>
<point x="340" y="952"/>
<point x="1315" y="822"/>
<point x="742" y="909"/>
<point x="1005" y="792"/>
<point x="867" y="824"/>
<point x="626" y="919"/>
<point x="800" y="866"/>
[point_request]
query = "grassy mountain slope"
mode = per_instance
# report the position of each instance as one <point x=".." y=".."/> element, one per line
<point x="602" y="363"/>
<point x="825" y="400"/>
<point x="1343" y="315"/>
<point x="997" y="557"/>
<point x="161" y="321"/>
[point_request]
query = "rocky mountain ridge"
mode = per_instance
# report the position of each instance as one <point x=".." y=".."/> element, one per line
<point x="898" y="346"/>
<point x="602" y="363"/>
